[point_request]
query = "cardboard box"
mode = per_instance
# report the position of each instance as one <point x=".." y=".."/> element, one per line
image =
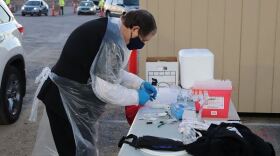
<point x="163" y="69"/>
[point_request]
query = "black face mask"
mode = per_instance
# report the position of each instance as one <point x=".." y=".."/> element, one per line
<point x="135" y="43"/>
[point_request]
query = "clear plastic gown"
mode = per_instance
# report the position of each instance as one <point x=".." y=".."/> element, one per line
<point x="109" y="83"/>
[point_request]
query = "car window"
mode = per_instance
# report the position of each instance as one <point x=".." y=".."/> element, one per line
<point x="115" y="2"/>
<point x="107" y="2"/>
<point x="131" y="2"/>
<point x="119" y="1"/>
<point x="45" y="4"/>
<point x="33" y="3"/>
<point x="4" y="17"/>
<point x="86" y="4"/>
<point x="95" y="2"/>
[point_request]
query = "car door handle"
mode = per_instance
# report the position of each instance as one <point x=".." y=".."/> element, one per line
<point x="2" y="37"/>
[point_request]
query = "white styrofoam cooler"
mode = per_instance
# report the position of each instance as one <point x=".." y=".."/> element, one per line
<point x="195" y="65"/>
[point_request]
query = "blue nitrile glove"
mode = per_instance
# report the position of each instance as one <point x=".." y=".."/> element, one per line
<point x="150" y="89"/>
<point x="177" y="111"/>
<point x="143" y="96"/>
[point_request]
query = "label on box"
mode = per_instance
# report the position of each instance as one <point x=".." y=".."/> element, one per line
<point x="215" y="103"/>
<point x="214" y="113"/>
<point x="166" y="73"/>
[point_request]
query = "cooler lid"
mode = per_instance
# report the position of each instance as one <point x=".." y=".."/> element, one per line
<point x="195" y="53"/>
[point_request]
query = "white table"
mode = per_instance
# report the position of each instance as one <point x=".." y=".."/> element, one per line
<point x="140" y="128"/>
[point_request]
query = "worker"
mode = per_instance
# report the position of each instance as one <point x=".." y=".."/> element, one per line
<point x="101" y="7"/>
<point x="90" y="73"/>
<point x="61" y="5"/>
<point x="75" y="5"/>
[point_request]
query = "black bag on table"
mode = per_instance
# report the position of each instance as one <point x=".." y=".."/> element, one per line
<point x="153" y="143"/>
<point x="218" y="140"/>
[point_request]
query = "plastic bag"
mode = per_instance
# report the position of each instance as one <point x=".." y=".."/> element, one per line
<point x="39" y="79"/>
<point x="44" y="145"/>
<point x="189" y="132"/>
<point x="83" y="109"/>
<point x="166" y="96"/>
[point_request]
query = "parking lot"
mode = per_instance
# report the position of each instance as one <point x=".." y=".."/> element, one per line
<point x="43" y="41"/>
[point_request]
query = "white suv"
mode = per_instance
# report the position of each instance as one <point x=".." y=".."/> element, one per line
<point x="12" y="66"/>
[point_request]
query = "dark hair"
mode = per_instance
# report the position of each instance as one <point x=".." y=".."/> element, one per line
<point x="141" y="18"/>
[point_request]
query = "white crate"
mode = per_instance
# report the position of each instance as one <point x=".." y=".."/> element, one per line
<point x="164" y="69"/>
<point x="195" y="65"/>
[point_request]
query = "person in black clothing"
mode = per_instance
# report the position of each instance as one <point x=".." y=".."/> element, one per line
<point x="77" y="57"/>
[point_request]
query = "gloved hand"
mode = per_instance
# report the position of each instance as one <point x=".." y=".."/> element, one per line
<point x="143" y="96"/>
<point x="150" y="89"/>
<point x="177" y="111"/>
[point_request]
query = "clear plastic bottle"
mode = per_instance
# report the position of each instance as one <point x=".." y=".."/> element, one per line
<point x="205" y="97"/>
<point x="203" y="101"/>
<point x="180" y="97"/>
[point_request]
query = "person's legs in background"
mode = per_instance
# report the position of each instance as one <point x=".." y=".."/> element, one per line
<point x="61" y="9"/>
<point x="101" y="13"/>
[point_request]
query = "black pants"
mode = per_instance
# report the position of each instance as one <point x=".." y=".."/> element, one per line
<point x="61" y="9"/>
<point x="62" y="133"/>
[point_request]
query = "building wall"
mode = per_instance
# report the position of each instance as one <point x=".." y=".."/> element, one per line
<point x="244" y="35"/>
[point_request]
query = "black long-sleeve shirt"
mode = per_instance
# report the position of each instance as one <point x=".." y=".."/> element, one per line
<point x="75" y="61"/>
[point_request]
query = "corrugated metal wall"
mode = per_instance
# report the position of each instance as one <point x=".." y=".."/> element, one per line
<point x="244" y="35"/>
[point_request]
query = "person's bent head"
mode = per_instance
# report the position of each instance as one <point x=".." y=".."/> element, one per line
<point x="138" y="27"/>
